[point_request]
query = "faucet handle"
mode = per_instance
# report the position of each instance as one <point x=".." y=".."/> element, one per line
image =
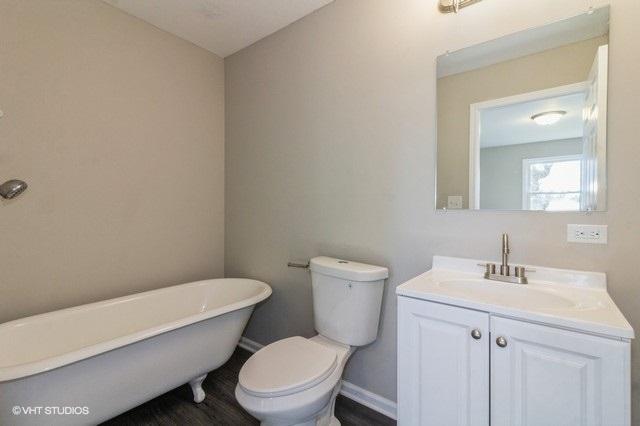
<point x="490" y="268"/>
<point x="521" y="271"/>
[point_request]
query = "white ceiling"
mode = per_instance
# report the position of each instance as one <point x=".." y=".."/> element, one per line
<point x="528" y="42"/>
<point x="512" y="124"/>
<point x="220" y="26"/>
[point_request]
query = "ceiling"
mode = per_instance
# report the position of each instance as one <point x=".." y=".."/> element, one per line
<point x="528" y="42"/>
<point x="220" y="26"/>
<point x="512" y="124"/>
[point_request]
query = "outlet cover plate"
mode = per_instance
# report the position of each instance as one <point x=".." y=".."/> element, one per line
<point x="587" y="234"/>
<point x="454" y="202"/>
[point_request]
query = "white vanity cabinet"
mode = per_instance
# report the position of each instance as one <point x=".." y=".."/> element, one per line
<point x="465" y="367"/>
<point x="442" y="370"/>
<point x="545" y="375"/>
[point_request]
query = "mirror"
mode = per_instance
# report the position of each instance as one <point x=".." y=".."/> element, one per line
<point x="522" y="120"/>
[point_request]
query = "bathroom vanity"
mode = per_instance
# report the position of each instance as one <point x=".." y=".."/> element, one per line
<point x="476" y="352"/>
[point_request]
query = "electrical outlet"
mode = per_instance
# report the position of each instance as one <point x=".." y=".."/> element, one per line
<point x="454" y="202"/>
<point x="589" y="234"/>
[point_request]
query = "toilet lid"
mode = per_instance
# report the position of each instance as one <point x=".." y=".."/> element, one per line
<point x="287" y="366"/>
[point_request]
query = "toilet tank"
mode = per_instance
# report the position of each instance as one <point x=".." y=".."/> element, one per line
<point x="347" y="297"/>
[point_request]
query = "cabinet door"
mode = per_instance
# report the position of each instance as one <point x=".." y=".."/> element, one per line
<point x="546" y="376"/>
<point x="443" y="371"/>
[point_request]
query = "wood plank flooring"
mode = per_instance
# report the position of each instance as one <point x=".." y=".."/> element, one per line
<point x="176" y="407"/>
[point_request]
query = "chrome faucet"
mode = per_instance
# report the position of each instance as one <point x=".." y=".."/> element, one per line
<point x="505" y="270"/>
<point x="504" y="267"/>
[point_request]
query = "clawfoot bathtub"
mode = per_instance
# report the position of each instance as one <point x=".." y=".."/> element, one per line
<point x="86" y="364"/>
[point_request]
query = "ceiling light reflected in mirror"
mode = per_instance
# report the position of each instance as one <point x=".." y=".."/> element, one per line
<point x="548" y="118"/>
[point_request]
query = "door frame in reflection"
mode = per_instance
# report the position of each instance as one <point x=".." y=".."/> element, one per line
<point x="475" y="115"/>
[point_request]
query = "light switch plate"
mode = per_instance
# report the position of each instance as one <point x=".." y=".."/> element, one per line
<point x="454" y="202"/>
<point x="588" y="234"/>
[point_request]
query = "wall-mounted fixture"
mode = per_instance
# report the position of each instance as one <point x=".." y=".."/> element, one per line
<point x="571" y="118"/>
<point x="12" y="188"/>
<point x="548" y="117"/>
<point x="449" y="6"/>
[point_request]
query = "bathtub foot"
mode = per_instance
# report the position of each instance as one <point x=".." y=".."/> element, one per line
<point x="196" y="387"/>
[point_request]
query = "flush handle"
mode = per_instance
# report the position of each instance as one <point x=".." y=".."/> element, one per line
<point x="12" y="188"/>
<point x="476" y="334"/>
<point x="302" y="265"/>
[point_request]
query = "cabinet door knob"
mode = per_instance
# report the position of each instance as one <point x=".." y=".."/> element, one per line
<point x="501" y="341"/>
<point x="476" y="334"/>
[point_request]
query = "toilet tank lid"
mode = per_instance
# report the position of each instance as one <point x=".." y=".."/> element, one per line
<point x="347" y="270"/>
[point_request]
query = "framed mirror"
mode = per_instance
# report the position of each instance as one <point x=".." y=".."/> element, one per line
<point x="522" y="120"/>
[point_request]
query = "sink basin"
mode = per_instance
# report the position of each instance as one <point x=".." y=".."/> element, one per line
<point x="516" y="295"/>
<point x="559" y="297"/>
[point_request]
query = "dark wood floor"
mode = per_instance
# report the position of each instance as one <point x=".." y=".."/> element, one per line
<point x="220" y="407"/>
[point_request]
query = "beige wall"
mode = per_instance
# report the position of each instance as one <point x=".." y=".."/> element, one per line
<point x="118" y="128"/>
<point x="501" y="170"/>
<point x="330" y="150"/>
<point x="551" y="68"/>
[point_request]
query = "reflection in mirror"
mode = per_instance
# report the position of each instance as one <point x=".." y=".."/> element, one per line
<point x="522" y="120"/>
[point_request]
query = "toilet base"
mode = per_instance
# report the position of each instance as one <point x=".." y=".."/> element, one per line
<point x="328" y="418"/>
<point x="333" y="422"/>
<point x="325" y="417"/>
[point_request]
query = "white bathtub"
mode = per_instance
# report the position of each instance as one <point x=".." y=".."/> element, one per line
<point x="86" y="364"/>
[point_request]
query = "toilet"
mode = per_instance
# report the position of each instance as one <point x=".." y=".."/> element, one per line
<point x="295" y="381"/>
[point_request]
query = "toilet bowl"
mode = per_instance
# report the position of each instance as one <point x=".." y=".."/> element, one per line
<point x="295" y="381"/>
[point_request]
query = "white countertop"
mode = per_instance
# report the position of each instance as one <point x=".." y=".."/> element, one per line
<point x="576" y="300"/>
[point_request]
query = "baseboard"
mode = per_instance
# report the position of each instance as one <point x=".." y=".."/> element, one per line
<point x="362" y="396"/>
<point x="249" y="345"/>
<point x="369" y="399"/>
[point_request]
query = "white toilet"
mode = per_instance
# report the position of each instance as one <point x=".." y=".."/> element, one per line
<point x="295" y="381"/>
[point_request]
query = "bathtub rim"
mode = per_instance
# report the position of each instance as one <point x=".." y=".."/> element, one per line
<point x="20" y="371"/>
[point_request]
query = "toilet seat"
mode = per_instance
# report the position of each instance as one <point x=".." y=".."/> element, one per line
<point x="287" y="366"/>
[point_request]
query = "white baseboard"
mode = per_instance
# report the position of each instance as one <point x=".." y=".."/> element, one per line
<point x="369" y="399"/>
<point x="249" y="345"/>
<point x="362" y="396"/>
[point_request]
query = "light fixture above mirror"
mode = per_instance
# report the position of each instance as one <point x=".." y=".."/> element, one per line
<point x="453" y="6"/>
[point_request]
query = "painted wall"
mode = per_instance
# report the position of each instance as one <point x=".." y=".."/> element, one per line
<point x="331" y="130"/>
<point x="118" y="128"/>
<point x="551" y="68"/>
<point x="501" y="170"/>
